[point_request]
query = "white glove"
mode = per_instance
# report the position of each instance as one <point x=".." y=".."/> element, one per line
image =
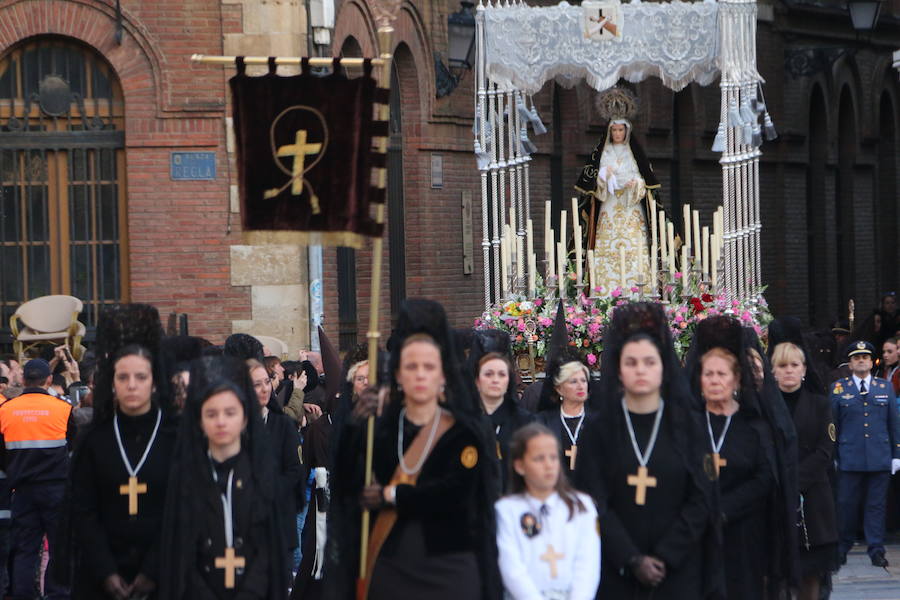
<point x="895" y="465"/>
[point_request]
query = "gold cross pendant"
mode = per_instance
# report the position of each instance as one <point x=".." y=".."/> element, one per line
<point x="641" y="481"/>
<point x="132" y="489"/>
<point x="230" y="563"/>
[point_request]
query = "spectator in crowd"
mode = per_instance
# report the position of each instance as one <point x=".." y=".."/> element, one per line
<point x="889" y="369"/>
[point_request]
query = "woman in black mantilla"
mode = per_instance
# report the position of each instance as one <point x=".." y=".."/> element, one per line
<point x="745" y="442"/>
<point x="111" y="527"/>
<point x="495" y="380"/>
<point x="223" y="532"/>
<point x="805" y="395"/>
<point x="643" y="466"/>
<point x="434" y="534"/>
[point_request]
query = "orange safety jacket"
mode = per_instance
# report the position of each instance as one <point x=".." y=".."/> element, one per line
<point x="35" y="429"/>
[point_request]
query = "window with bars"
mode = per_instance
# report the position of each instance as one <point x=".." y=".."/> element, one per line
<point x="62" y="177"/>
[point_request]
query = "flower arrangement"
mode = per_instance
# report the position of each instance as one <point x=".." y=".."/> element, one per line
<point x="529" y="321"/>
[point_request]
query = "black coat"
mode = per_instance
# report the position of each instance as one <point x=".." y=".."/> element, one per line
<point x="812" y="418"/>
<point x="285" y="442"/>
<point x="505" y="421"/>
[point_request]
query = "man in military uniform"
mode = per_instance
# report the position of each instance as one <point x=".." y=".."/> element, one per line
<point x="867" y="421"/>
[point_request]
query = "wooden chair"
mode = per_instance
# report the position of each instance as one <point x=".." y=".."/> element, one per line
<point x="274" y="346"/>
<point x="48" y="320"/>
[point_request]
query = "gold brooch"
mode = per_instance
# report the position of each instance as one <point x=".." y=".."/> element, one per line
<point x="469" y="457"/>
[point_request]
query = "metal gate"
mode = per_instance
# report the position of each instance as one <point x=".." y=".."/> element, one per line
<point x="63" y="226"/>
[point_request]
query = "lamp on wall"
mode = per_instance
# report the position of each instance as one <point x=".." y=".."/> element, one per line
<point x="864" y="13"/>
<point x="460" y="51"/>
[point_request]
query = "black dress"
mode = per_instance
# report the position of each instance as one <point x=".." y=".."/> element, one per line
<point x="285" y="442"/>
<point x="550" y="418"/>
<point x="113" y="540"/>
<point x="433" y="549"/>
<point x="745" y="483"/>
<point x="207" y="582"/>
<point x="505" y="421"/>
<point x="818" y="533"/>
<point x="670" y="525"/>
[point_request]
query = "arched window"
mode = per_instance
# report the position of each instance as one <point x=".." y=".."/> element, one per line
<point x="62" y="176"/>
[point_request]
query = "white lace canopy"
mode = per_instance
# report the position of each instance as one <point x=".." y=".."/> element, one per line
<point x="527" y="46"/>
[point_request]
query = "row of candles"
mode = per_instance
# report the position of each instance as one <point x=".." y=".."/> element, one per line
<point x="700" y="251"/>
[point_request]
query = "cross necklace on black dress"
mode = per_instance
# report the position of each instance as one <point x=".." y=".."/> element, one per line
<point x="572" y="452"/>
<point x="230" y="562"/>
<point x="641" y="480"/>
<point x="134" y="487"/>
<point x="718" y="461"/>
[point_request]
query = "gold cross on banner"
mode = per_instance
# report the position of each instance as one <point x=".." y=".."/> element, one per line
<point x="641" y="482"/>
<point x="299" y="150"/>
<point x="230" y="562"/>
<point x="132" y="489"/>
<point x="550" y="557"/>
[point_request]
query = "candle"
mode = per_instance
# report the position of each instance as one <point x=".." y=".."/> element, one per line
<point x="548" y="238"/>
<point x="503" y="265"/>
<point x="622" y="281"/>
<point x="686" y="223"/>
<point x="532" y="269"/>
<point x="698" y="247"/>
<point x="576" y="231"/>
<point x="591" y="282"/>
<point x="714" y="265"/>
<point x="685" y="264"/>
<point x="705" y="258"/>
<point x="670" y="230"/>
<point x="562" y="238"/>
<point x="529" y="252"/>
<point x="551" y="259"/>
<point x="561" y="264"/>
<point x="663" y="254"/>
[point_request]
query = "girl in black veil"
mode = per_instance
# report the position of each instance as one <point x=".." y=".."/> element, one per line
<point x="203" y="547"/>
<point x="749" y="427"/>
<point x="434" y="533"/>
<point x="130" y="437"/>
<point x="642" y="464"/>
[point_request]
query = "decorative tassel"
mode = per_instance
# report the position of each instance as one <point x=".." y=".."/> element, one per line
<point x="734" y="116"/>
<point x="747" y="133"/>
<point x="536" y="123"/>
<point x="719" y="142"/>
<point x="757" y="135"/>
<point x="526" y="146"/>
<point x="524" y="115"/>
<point x="770" y="132"/>
<point x="481" y="157"/>
<point x="746" y="113"/>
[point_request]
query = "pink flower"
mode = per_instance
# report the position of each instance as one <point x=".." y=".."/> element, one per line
<point x="593" y="328"/>
<point x="538" y="301"/>
<point x="616" y="292"/>
<point x="592" y="360"/>
<point x="670" y="289"/>
<point x="545" y="321"/>
<point x="577" y="321"/>
<point x="677" y="274"/>
<point x="679" y="318"/>
<point x="635" y="289"/>
<point x="496" y="313"/>
<point x="521" y="325"/>
<point x="746" y="316"/>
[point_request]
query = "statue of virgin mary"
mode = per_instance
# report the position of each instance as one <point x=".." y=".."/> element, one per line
<point x="619" y="178"/>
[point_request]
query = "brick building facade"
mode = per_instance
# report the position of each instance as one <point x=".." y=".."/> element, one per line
<point x="829" y="183"/>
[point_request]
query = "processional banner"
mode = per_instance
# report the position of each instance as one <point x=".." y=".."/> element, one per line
<point x="305" y="156"/>
<point x="527" y="46"/>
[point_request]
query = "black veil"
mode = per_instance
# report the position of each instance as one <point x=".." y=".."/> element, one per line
<point x="763" y="398"/>
<point x="191" y="478"/>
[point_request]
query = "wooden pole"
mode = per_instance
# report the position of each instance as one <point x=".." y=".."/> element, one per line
<point x="385" y="35"/>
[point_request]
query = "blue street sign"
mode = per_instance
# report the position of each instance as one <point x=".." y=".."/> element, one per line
<point x="193" y="166"/>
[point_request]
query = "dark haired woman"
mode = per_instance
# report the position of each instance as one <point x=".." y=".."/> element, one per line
<point x="495" y="382"/>
<point x="547" y="537"/>
<point x="118" y="487"/>
<point x="223" y="532"/>
<point x="643" y="467"/>
<point x="433" y="535"/>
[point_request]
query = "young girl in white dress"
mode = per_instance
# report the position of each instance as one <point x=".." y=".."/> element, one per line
<point x="547" y="532"/>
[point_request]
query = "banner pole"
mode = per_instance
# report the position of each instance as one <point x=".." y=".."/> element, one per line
<point x="384" y="41"/>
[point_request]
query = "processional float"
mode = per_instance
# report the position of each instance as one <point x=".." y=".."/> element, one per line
<point x="519" y="48"/>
